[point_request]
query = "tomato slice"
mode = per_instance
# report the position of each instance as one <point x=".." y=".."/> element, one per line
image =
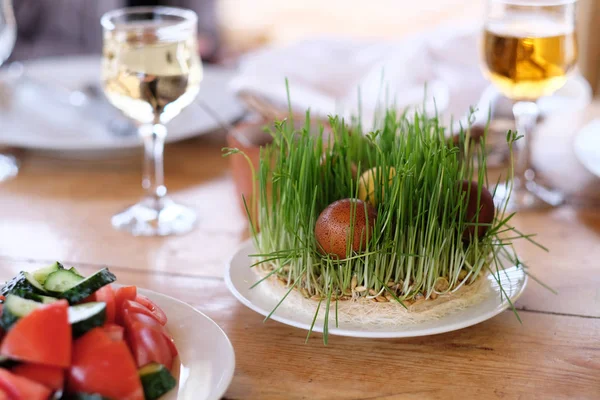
<point x="122" y="294"/>
<point x="21" y="388"/>
<point x="150" y="305"/>
<point x="97" y="337"/>
<point x="103" y="366"/>
<point x="106" y="294"/>
<point x="149" y="345"/>
<point x="137" y="308"/>
<point x="51" y="377"/>
<point x="171" y="344"/>
<point x="144" y="319"/>
<point x="131" y="317"/>
<point x="114" y="331"/>
<point x="42" y="337"/>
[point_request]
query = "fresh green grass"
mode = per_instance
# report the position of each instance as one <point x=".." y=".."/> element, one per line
<point x="417" y="237"/>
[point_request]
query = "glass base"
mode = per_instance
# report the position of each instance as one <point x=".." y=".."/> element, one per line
<point x="155" y="217"/>
<point x="530" y="196"/>
<point x="9" y="167"/>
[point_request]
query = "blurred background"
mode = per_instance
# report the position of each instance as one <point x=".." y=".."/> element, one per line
<point x="231" y="27"/>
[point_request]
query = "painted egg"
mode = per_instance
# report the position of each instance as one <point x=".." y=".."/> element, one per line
<point x="342" y="221"/>
<point x="486" y="209"/>
<point x="368" y="180"/>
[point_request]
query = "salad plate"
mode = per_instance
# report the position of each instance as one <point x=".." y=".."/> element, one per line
<point x="206" y="366"/>
<point x="239" y="278"/>
<point x="105" y="340"/>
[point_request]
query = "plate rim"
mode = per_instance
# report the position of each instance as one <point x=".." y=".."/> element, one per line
<point x="129" y="144"/>
<point x="361" y="334"/>
<point x="229" y="374"/>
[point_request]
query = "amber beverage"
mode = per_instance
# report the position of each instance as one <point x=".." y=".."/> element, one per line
<point x="527" y="61"/>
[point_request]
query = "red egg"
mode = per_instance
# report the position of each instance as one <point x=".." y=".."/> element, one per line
<point x="486" y="209"/>
<point x="336" y="222"/>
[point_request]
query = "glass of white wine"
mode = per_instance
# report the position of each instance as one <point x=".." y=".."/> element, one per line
<point x="151" y="70"/>
<point x="529" y="48"/>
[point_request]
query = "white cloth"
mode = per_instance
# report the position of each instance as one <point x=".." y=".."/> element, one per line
<point x="326" y="75"/>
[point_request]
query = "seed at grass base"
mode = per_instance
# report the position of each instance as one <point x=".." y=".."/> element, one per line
<point x="340" y="220"/>
<point x="366" y="184"/>
<point x="441" y="284"/>
<point x="486" y="209"/>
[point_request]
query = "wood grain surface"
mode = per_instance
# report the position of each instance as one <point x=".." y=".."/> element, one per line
<point x="59" y="209"/>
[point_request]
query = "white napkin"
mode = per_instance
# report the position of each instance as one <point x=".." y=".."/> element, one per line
<point x="326" y="75"/>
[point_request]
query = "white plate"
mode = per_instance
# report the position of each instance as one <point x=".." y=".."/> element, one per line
<point x="207" y="360"/>
<point x="34" y="123"/>
<point x="587" y="146"/>
<point x="240" y="277"/>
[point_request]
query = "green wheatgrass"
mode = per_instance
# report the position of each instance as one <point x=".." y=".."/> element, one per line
<point x="417" y="240"/>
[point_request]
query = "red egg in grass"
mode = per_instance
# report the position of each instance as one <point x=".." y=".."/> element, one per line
<point x="486" y="209"/>
<point x="336" y="222"/>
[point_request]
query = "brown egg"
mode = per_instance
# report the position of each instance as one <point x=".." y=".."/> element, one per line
<point x="333" y="226"/>
<point x="486" y="209"/>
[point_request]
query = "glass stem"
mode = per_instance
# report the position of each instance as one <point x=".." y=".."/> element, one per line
<point x="153" y="181"/>
<point x="526" y="114"/>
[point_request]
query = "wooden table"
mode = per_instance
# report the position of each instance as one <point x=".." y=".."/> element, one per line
<point x="60" y="210"/>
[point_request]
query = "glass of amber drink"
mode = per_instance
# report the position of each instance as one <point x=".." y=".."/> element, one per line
<point x="529" y="48"/>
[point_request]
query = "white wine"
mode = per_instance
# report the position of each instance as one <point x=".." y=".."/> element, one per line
<point x="529" y="57"/>
<point x="151" y="70"/>
<point x="145" y="77"/>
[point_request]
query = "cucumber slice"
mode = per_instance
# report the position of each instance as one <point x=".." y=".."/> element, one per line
<point x="24" y="281"/>
<point x="27" y="295"/>
<point x="84" y="288"/>
<point x="41" y="274"/>
<point x="40" y="298"/>
<point x="62" y="280"/>
<point x="84" y="317"/>
<point x="14" y="308"/>
<point x="85" y="396"/>
<point x="34" y="283"/>
<point x="73" y="270"/>
<point x="156" y="380"/>
<point x="47" y="299"/>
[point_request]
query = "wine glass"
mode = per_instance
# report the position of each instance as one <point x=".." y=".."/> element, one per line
<point x="151" y="70"/>
<point x="8" y="34"/>
<point x="529" y="48"/>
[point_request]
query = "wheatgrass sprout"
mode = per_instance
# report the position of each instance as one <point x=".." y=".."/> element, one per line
<point x="418" y="249"/>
